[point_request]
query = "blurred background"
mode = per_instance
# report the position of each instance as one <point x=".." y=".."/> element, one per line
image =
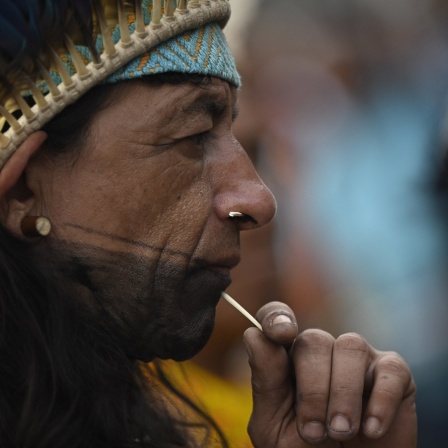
<point x="343" y="112"/>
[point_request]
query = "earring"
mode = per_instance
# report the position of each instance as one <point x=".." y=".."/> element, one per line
<point x="35" y="226"/>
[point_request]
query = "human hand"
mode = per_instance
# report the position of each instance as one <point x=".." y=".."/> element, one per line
<point x="335" y="393"/>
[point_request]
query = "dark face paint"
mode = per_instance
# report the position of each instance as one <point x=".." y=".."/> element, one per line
<point x="166" y="311"/>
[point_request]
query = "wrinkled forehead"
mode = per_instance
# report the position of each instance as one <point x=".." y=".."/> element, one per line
<point x="173" y="107"/>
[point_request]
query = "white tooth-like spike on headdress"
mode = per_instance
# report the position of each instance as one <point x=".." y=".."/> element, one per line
<point x="169" y="9"/>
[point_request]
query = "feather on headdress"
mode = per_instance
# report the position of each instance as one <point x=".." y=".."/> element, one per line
<point x="96" y="37"/>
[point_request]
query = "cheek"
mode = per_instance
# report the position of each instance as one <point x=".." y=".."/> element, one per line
<point x="176" y="208"/>
<point x="127" y="241"/>
<point x="150" y="203"/>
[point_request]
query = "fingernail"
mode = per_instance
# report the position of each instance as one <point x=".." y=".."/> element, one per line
<point x="372" y="425"/>
<point x="340" y="424"/>
<point x="281" y="319"/>
<point x="313" y="430"/>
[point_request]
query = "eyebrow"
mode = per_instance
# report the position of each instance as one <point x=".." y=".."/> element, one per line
<point x="210" y="107"/>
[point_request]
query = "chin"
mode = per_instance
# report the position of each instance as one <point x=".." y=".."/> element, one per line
<point x="184" y="322"/>
<point x="196" y="315"/>
<point x="181" y="341"/>
<point x="191" y="340"/>
<point x="188" y="351"/>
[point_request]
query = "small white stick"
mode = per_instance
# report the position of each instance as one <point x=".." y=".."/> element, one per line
<point x="234" y="303"/>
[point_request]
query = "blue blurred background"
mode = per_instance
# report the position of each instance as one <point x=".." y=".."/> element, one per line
<point x="343" y="109"/>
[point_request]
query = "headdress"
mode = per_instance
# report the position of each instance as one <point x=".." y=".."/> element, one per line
<point x="53" y="51"/>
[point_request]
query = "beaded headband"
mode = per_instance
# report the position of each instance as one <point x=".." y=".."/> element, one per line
<point x="53" y="51"/>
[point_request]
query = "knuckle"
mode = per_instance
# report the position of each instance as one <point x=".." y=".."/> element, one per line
<point x="393" y="364"/>
<point x="316" y="341"/>
<point x="312" y="405"/>
<point x="317" y="397"/>
<point x="344" y="389"/>
<point x="388" y="396"/>
<point x="270" y="387"/>
<point x="352" y="342"/>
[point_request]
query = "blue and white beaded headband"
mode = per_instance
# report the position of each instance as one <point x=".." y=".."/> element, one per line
<point x="60" y="49"/>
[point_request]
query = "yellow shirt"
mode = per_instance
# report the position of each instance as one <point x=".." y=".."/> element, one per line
<point x="228" y="403"/>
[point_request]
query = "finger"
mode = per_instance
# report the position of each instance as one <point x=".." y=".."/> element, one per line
<point x="279" y="322"/>
<point x="393" y="391"/>
<point x="351" y="356"/>
<point x="273" y="396"/>
<point x="312" y="356"/>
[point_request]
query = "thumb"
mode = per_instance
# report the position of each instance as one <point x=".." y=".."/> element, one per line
<point x="272" y="388"/>
<point x="279" y="322"/>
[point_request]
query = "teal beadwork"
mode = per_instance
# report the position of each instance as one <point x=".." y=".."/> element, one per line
<point x="203" y="50"/>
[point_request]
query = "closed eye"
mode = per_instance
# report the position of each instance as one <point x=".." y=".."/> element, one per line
<point x="198" y="139"/>
<point x="201" y="138"/>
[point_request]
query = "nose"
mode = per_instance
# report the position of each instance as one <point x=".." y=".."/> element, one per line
<point x="240" y="194"/>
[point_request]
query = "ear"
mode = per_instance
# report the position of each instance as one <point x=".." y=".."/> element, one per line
<point x="15" y="199"/>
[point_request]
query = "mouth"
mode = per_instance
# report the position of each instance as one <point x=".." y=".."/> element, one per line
<point x="223" y="271"/>
<point x="222" y="266"/>
<point x="206" y="285"/>
<point x="221" y="274"/>
<point x="218" y="269"/>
